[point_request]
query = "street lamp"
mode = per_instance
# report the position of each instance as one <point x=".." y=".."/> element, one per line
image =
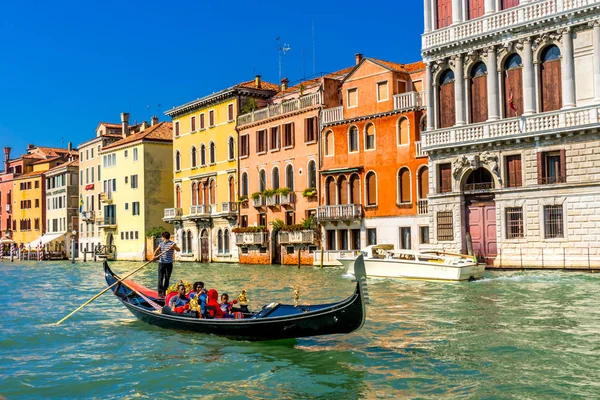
<point x="73" y="246"/>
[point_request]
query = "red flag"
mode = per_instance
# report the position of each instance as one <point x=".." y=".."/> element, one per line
<point x="511" y="102"/>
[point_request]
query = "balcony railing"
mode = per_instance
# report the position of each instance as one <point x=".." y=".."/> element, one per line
<point x="419" y="151"/>
<point x="307" y="236"/>
<point x="288" y="106"/>
<point x="259" y="201"/>
<point x="272" y="201"/>
<point x="200" y="210"/>
<point x="287" y="199"/>
<point x="551" y="122"/>
<point x="422" y="206"/>
<point x="409" y="100"/>
<point x="106" y="197"/>
<point x="171" y="213"/>
<point x="529" y="13"/>
<point x="340" y="212"/>
<point x="331" y="115"/>
<point x="256" y="238"/>
<point x="88" y="216"/>
<point x="229" y="207"/>
<point x="108" y="221"/>
<point x="550" y="180"/>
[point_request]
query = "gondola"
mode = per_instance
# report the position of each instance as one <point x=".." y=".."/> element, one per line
<point x="272" y="322"/>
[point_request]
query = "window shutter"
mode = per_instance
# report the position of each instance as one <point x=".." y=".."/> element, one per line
<point x="540" y="167"/>
<point x="563" y="166"/>
<point x="293" y="134"/>
<point x="306" y="121"/>
<point x="257" y="147"/>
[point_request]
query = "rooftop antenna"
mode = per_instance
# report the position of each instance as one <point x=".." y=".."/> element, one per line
<point x="313" y="48"/>
<point x="281" y="51"/>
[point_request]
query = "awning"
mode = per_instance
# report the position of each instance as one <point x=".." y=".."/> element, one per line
<point x="340" y="170"/>
<point x="89" y="187"/>
<point x="44" y="239"/>
<point x="6" y="241"/>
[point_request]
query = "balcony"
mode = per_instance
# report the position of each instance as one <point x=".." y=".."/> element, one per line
<point x="253" y="238"/>
<point x="422" y="206"/>
<point x="287" y="199"/>
<point x="229" y="208"/>
<point x="410" y="100"/>
<point x="88" y="216"/>
<point x="288" y="106"/>
<point x="298" y="237"/>
<point x="108" y="222"/>
<point x="172" y="214"/>
<point x="106" y="197"/>
<point x="201" y="211"/>
<point x="272" y="201"/>
<point x="534" y="13"/>
<point x="331" y="115"/>
<point x="340" y="212"/>
<point x="549" y="123"/>
<point x="258" y="201"/>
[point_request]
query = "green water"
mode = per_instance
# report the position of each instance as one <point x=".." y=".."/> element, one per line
<point x="515" y="335"/>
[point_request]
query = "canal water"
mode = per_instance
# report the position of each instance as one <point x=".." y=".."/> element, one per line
<point x="517" y="335"/>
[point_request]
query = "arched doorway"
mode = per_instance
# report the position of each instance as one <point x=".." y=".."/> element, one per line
<point x="481" y="213"/>
<point x="204" y="255"/>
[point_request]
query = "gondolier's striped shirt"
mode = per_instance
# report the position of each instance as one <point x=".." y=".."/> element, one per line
<point x="166" y="258"/>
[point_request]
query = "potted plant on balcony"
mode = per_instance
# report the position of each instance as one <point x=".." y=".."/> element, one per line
<point x="269" y="193"/>
<point x="309" y="193"/>
<point x="255" y="195"/>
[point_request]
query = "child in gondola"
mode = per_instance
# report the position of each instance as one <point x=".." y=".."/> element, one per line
<point x="226" y="306"/>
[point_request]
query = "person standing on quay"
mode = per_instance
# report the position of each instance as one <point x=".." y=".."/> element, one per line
<point x="165" y="263"/>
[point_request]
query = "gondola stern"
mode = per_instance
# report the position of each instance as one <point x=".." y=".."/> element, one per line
<point x="360" y="274"/>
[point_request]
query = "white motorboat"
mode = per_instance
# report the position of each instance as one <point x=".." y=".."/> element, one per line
<point x="385" y="262"/>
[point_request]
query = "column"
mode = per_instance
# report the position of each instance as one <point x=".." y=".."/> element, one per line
<point x="596" y="25"/>
<point x="490" y="6"/>
<point x="492" y="84"/>
<point x="427" y="9"/>
<point x="431" y="115"/>
<point x="456" y="11"/>
<point x="459" y="90"/>
<point x="528" y="79"/>
<point x="568" y="68"/>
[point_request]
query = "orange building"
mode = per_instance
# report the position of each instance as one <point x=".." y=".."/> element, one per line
<point x="279" y="155"/>
<point x="373" y="175"/>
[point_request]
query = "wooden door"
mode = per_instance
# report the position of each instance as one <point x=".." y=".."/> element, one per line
<point x="479" y="107"/>
<point x="447" y="104"/>
<point x="550" y="85"/>
<point x="231" y="190"/>
<point x="331" y="198"/>
<point x="513" y="89"/>
<point x="444" y="13"/>
<point x="481" y="222"/>
<point x="508" y="4"/>
<point x="204" y="247"/>
<point x="475" y="8"/>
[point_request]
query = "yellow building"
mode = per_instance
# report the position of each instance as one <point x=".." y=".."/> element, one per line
<point x="205" y="170"/>
<point x="136" y="178"/>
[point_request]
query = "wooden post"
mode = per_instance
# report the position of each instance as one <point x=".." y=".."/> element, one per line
<point x="542" y="257"/>
<point x="564" y="259"/>
<point x="589" y="265"/>
<point x="469" y="241"/>
<point x="321" y="266"/>
<point x="299" y="255"/>
<point x="521" y="253"/>
<point x="85" y="255"/>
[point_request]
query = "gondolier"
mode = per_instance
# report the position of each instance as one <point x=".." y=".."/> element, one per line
<point x="165" y="263"/>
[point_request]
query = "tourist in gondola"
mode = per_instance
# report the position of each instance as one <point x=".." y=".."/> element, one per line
<point x="200" y="291"/>
<point x="167" y="249"/>
<point x="180" y="302"/>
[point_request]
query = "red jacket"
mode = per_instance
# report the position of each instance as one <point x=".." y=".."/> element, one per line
<point x="213" y="306"/>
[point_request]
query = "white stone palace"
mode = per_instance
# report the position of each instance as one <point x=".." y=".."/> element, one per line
<point x="512" y="136"/>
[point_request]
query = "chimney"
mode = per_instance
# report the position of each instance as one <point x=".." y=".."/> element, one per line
<point x="284" y="83"/>
<point x="257" y="81"/>
<point x="358" y="57"/>
<point x="30" y="146"/>
<point x="6" y="158"/>
<point x="154" y="120"/>
<point x="70" y="146"/>
<point x="124" y="124"/>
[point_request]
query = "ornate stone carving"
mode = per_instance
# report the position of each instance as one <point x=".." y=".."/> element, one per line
<point x="475" y="161"/>
<point x="491" y="161"/>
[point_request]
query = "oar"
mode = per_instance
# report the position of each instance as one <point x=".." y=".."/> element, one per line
<point x="106" y="290"/>
<point x="146" y="299"/>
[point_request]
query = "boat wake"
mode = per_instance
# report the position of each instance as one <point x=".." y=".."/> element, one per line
<point x="549" y="277"/>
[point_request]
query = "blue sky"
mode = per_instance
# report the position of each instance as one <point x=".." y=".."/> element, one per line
<point x="67" y="65"/>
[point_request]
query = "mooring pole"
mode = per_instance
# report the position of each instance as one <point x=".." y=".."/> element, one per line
<point x="469" y="241"/>
<point x="521" y="253"/>
<point x="299" y="255"/>
<point x="322" y="256"/>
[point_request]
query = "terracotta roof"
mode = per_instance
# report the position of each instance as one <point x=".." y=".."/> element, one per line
<point x="29" y="175"/>
<point x="308" y="83"/>
<point x="399" y="67"/>
<point x="45" y="160"/>
<point x="74" y="163"/>
<point x="110" y="125"/>
<point x="263" y="85"/>
<point x="162" y="131"/>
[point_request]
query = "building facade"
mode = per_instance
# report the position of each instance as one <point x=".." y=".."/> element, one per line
<point x="373" y="173"/>
<point x="136" y="187"/>
<point x="512" y="138"/>
<point x="205" y="182"/>
<point x="279" y="156"/>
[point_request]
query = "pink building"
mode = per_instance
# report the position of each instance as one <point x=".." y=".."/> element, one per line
<point x="278" y="164"/>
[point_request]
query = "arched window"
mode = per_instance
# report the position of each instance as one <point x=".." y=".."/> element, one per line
<point x="330" y="191"/>
<point x="189" y="242"/>
<point x="446" y="104"/>
<point x="475" y="9"/>
<point x="226" y="241"/>
<point x="343" y="190"/>
<point x="213" y="192"/>
<point x="203" y="155"/>
<point x="328" y="145"/>
<point x="220" y="241"/>
<point x="289" y="176"/>
<point x="354" y="189"/>
<point x="550" y="79"/>
<point x="312" y="174"/>
<point x="371" y="189"/>
<point x="231" y="189"/>
<point x="353" y="139"/>
<point x="194" y="194"/>
<point x="199" y="193"/>
<point x="478" y="93"/>
<point x="206" y="194"/>
<point x="369" y="137"/>
<point x="231" y="149"/>
<point x="422" y="128"/>
<point x="275" y="178"/>
<point x="193" y="155"/>
<point x="404" y="185"/>
<point x="513" y="86"/>
<point x="178" y="196"/>
<point x="244" y="184"/>
<point x="423" y="183"/>
<point x="213" y="155"/>
<point x="183" y="242"/>
<point x="444" y="13"/>
<point x="403" y="131"/>
<point x="177" y="161"/>
<point x="262" y="181"/>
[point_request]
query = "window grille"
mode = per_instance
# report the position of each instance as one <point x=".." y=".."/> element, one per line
<point x="553" y="222"/>
<point x="445" y="228"/>
<point x="514" y="222"/>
